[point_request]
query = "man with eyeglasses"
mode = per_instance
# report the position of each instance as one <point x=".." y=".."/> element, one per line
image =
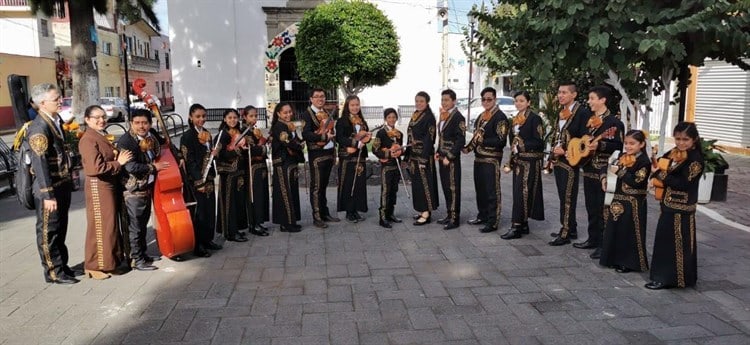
<point x="488" y="142"/>
<point x="52" y="184"/>
<point x="320" y="155"/>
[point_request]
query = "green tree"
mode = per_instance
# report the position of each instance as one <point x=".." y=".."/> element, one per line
<point x="638" y="47"/>
<point x="85" y="78"/>
<point x="347" y="44"/>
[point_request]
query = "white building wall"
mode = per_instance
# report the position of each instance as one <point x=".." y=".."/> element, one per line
<point x="229" y="39"/>
<point x="21" y="35"/>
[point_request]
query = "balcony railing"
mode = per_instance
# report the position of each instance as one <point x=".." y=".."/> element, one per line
<point x="14" y="3"/>
<point x="143" y="64"/>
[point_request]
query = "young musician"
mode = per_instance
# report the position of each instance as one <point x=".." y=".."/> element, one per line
<point x="624" y="240"/>
<point x="421" y="157"/>
<point x="197" y="148"/>
<point x="527" y="152"/>
<point x="320" y="152"/>
<point x="571" y="124"/>
<point x="258" y="201"/>
<point x="52" y="184"/>
<point x="596" y="165"/>
<point x="140" y="175"/>
<point x="231" y="164"/>
<point x="488" y="142"/>
<point x="452" y="130"/>
<point x="352" y="135"/>
<point x="675" y="260"/>
<point x="286" y="147"/>
<point x="387" y="147"/>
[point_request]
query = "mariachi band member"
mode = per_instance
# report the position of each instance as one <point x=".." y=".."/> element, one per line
<point x="52" y="184"/>
<point x="571" y="123"/>
<point x="600" y="121"/>
<point x="421" y="157"/>
<point x="526" y="155"/>
<point x="352" y="135"/>
<point x="101" y="165"/>
<point x="257" y="177"/>
<point x="286" y="148"/>
<point x="138" y="180"/>
<point x="624" y="239"/>
<point x="675" y="260"/>
<point x="198" y="151"/>
<point x="488" y="142"/>
<point x="387" y="147"/>
<point x="452" y="130"/>
<point x="231" y="164"/>
<point x="319" y="136"/>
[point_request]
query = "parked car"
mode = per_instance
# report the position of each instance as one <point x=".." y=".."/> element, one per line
<point x="66" y="112"/>
<point x="114" y="107"/>
<point x="505" y="103"/>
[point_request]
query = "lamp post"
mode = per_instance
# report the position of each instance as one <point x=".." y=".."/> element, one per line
<point x="472" y="22"/>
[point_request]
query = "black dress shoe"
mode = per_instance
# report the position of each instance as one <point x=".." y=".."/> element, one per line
<point x="351" y="218"/>
<point x="585" y="245"/>
<point x="237" y="239"/>
<point x="177" y="258"/>
<point x="292" y="228"/>
<point x="422" y="221"/>
<point x="242" y="234"/>
<point x="330" y="218"/>
<point x="511" y="234"/>
<point x="144" y="266"/>
<point x="385" y="224"/>
<point x="258" y="232"/>
<point x="416" y="216"/>
<point x="202" y="253"/>
<point x="476" y="221"/>
<point x="213" y="246"/>
<point x="65" y="279"/>
<point x="653" y="285"/>
<point x="524" y="229"/>
<point x="261" y="226"/>
<point x="71" y="272"/>
<point x="393" y="219"/>
<point x="153" y="258"/>
<point x="443" y="221"/>
<point x="596" y="254"/>
<point x="359" y="216"/>
<point x="559" y="241"/>
<point x="319" y="223"/>
<point x="571" y="235"/>
<point x="622" y="269"/>
<point x="450" y="226"/>
<point x="487" y="229"/>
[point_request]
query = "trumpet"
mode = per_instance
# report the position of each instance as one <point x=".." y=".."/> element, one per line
<point x="474" y="140"/>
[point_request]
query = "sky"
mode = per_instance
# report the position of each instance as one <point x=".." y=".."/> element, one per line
<point x="456" y="15"/>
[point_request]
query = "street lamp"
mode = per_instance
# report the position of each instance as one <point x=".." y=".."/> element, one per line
<point x="472" y="22"/>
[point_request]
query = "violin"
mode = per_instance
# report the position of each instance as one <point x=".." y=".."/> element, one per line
<point x="259" y="138"/>
<point x="174" y="227"/>
<point x="326" y="123"/>
<point x="235" y="140"/>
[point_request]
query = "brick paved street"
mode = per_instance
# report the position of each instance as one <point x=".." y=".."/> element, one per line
<point x="362" y="284"/>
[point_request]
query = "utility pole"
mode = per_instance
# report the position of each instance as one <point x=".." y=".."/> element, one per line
<point x="124" y="46"/>
<point x="443" y="14"/>
<point x="472" y="22"/>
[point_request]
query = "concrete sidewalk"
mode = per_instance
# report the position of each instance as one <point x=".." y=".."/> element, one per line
<point x="362" y="284"/>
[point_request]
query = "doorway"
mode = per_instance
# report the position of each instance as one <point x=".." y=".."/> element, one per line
<point x="292" y="88"/>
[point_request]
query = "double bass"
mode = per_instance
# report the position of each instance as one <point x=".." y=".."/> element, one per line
<point x="174" y="227"/>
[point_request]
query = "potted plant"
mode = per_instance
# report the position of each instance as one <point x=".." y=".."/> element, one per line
<point x="713" y="183"/>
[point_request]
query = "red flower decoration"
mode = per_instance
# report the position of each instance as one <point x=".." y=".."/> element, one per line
<point x="271" y="64"/>
<point x="278" y="41"/>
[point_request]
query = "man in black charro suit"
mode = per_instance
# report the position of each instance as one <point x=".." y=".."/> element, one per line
<point x="452" y="130"/>
<point x="321" y="156"/>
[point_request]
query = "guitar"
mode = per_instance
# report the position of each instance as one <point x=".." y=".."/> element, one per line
<point x="578" y="148"/>
<point x="609" y="192"/>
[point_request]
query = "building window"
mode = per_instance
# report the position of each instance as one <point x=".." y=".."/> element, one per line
<point x="157" y="87"/>
<point x="166" y="59"/>
<point x="109" y="91"/>
<point x="44" y="27"/>
<point x="107" y="48"/>
<point x="130" y="45"/>
<point x="163" y="93"/>
<point x="147" y="50"/>
<point x="156" y="55"/>
<point x="117" y="92"/>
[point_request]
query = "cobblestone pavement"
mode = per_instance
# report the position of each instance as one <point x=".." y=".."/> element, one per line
<point x="362" y="284"/>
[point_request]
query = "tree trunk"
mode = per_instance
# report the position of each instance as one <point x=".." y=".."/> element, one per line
<point x="666" y="79"/>
<point x="626" y="108"/>
<point x="85" y="77"/>
<point x="684" y="81"/>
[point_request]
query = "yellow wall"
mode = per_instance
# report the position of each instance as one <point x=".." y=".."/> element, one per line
<point x="109" y="65"/>
<point x="38" y="70"/>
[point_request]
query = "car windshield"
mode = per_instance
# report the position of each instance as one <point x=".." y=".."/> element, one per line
<point x="105" y="101"/>
<point x="67" y="102"/>
<point x="505" y="101"/>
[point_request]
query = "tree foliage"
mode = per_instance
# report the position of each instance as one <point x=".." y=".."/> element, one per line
<point x="350" y="44"/>
<point x="545" y="41"/>
<point x="85" y="77"/>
